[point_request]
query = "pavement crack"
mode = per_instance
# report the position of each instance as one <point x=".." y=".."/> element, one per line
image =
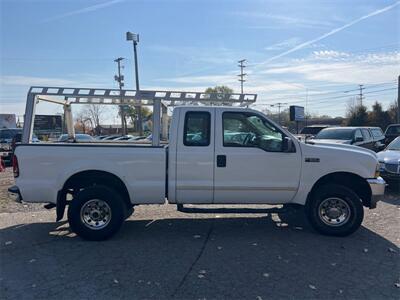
<point x="183" y="280"/>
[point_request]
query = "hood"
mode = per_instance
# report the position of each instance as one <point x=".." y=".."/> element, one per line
<point x="330" y="141"/>
<point x="340" y="158"/>
<point x="342" y="145"/>
<point x="389" y="156"/>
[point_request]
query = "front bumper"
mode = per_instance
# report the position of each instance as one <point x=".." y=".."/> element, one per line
<point x="377" y="186"/>
<point x="14" y="194"/>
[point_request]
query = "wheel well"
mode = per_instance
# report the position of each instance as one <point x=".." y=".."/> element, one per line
<point x="355" y="182"/>
<point x="94" y="177"/>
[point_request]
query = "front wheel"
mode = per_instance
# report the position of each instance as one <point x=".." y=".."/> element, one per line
<point x="96" y="213"/>
<point x="335" y="210"/>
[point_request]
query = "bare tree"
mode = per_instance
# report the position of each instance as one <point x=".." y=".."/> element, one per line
<point x="83" y="121"/>
<point x="94" y="113"/>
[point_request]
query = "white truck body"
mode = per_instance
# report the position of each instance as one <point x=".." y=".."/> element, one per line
<point x="251" y="175"/>
<point x="215" y="155"/>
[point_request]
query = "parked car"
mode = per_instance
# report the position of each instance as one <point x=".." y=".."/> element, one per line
<point x="101" y="185"/>
<point x="389" y="160"/>
<point x="111" y="137"/>
<point x="137" y="138"/>
<point x="79" y="137"/>
<point x="391" y="132"/>
<point x="125" y="138"/>
<point x="368" y="137"/>
<point x="7" y="135"/>
<point x="310" y="131"/>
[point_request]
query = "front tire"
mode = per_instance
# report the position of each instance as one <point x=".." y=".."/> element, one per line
<point x="335" y="210"/>
<point x="96" y="213"/>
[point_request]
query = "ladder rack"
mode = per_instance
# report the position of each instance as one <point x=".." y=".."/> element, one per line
<point x="67" y="96"/>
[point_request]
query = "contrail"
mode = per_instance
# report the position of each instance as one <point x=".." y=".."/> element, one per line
<point x="84" y="10"/>
<point x="336" y="30"/>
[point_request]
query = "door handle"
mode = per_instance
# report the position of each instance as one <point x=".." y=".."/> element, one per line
<point x="221" y="161"/>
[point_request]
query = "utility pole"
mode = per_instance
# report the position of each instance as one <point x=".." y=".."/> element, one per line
<point x="398" y="100"/>
<point x="242" y="75"/>
<point x="120" y="78"/>
<point x="135" y="39"/>
<point x="361" y="97"/>
<point x="279" y="105"/>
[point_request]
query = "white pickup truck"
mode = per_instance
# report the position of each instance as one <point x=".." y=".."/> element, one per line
<point x="215" y="155"/>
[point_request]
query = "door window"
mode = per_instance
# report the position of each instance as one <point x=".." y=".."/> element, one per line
<point x="197" y="129"/>
<point x="366" y="134"/>
<point x="358" y="135"/>
<point x="250" y="130"/>
<point x="377" y="132"/>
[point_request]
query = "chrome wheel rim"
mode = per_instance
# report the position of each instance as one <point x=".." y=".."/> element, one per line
<point x="334" y="211"/>
<point x="96" y="214"/>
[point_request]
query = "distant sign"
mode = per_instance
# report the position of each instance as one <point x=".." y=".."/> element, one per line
<point x="46" y="124"/>
<point x="8" y="121"/>
<point x="296" y="113"/>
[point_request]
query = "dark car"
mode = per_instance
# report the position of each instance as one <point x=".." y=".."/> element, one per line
<point x="389" y="161"/>
<point x="312" y="129"/>
<point x="368" y="137"/>
<point x="79" y="137"/>
<point x="7" y="135"/>
<point x="391" y="132"/>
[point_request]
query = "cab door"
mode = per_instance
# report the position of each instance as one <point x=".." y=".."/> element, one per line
<point x="195" y="156"/>
<point x="250" y="164"/>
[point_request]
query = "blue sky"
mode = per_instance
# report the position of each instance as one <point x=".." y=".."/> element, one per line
<point x="294" y="48"/>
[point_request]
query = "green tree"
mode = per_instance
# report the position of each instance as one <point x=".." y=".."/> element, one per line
<point x="392" y="112"/>
<point x="378" y="117"/>
<point x="219" y="89"/>
<point x="357" y="115"/>
<point x="132" y="113"/>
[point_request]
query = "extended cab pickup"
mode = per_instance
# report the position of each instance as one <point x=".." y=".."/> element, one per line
<point x="215" y="155"/>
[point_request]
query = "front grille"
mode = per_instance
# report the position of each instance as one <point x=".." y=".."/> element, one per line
<point x="392" y="168"/>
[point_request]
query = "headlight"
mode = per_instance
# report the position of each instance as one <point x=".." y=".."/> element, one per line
<point x="382" y="166"/>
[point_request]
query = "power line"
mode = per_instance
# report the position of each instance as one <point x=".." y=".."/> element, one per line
<point x="120" y="79"/>
<point x="242" y="75"/>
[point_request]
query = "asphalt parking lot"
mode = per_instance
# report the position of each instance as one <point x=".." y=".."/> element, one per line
<point x="164" y="254"/>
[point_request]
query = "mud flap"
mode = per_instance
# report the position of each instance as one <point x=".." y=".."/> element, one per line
<point x="61" y="204"/>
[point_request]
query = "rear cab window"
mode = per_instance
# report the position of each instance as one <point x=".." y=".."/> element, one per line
<point x="377" y="133"/>
<point x="197" y="129"/>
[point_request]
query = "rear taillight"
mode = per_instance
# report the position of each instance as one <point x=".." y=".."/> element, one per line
<point x="15" y="166"/>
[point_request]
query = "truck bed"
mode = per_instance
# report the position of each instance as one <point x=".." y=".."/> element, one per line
<point x="44" y="168"/>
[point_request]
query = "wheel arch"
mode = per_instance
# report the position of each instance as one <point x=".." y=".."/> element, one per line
<point x="87" y="178"/>
<point x="352" y="181"/>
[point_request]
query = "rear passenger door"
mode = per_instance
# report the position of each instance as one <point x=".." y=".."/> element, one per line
<point x="195" y="157"/>
<point x="368" y="140"/>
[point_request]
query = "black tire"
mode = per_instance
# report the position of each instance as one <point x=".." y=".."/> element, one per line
<point x="346" y="200"/>
<point x="114" y="214"/>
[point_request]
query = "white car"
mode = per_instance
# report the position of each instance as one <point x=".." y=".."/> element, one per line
<point x="266" y="165"/>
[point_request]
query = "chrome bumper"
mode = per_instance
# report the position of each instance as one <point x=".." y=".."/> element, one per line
<point x="14" y="194"/>
<point x="377" y="186"/>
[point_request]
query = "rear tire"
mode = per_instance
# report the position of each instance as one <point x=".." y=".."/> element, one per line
<point x="96" y="213"/>
<point x="335" y="210"/>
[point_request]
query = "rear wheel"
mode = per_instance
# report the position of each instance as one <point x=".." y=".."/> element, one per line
<point x="335" y="210"/>
<point x="96" y="213"/>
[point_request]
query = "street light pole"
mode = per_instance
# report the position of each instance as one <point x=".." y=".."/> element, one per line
<point x="135" y="39"/>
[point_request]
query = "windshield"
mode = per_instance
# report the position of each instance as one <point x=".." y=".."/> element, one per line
<point x="393" y="130"/>
<point x="335" y="134"/>
<point x="311" y="130"/>
<point x="395" y="145"/>
<point x="9" y="133"/>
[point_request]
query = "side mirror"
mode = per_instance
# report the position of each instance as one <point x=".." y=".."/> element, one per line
<point x="288" y="145"/>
